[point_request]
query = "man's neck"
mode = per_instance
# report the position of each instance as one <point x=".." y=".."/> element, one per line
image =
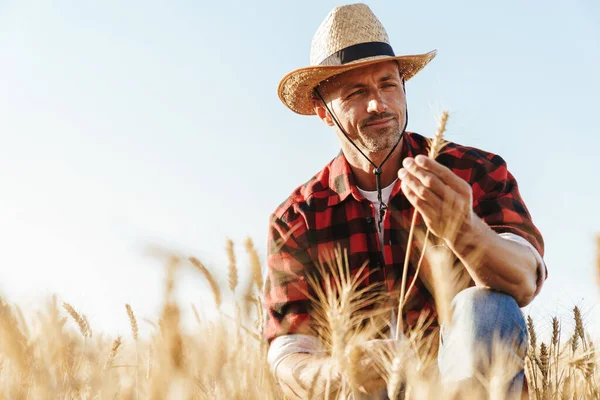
<point x="363" y="169"/>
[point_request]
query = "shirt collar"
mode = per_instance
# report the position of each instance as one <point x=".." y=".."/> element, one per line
<point x="341" y="178"/>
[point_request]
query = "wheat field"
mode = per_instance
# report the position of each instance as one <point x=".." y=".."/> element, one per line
<point x="56" y="354"/>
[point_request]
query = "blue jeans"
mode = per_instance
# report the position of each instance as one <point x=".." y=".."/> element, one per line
<point x="482" y="318"/>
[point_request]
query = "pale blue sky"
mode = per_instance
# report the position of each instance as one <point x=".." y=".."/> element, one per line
<point x="124" y="124"/>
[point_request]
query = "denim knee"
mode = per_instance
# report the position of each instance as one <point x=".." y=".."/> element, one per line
<point x="482" y="318"/>
<point x="488" y="313"/>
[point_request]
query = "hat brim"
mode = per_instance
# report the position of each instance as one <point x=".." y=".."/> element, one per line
<point x="296" y="88"/>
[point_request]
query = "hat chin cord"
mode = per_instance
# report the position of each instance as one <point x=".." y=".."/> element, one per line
<point x="377" y="169"/>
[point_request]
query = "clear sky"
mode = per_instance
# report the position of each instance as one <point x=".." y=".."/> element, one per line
<point x="124" y="124"/>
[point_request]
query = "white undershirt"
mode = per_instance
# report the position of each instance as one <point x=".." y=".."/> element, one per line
<point x="371" y="195"/>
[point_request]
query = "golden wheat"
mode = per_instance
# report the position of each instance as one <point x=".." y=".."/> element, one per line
<point x="435" y="146"/>
<point x="43" y="358"/>
<point x="113" y="352"/>
<point x="232" y="268"/>
<point x="81" y="321"/>
<point x="132" y="321"/>
<point x="254" y="264"/>
<point x="214" y="286"/>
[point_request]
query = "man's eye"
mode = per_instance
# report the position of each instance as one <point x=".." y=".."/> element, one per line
<point x="356" y="92"/>
<point x="387" y="85"/>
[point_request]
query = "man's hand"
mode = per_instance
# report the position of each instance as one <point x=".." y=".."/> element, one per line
<point x="367" y="377"/>
<point x="444" y="200"/>
<point x="296" y="373"/>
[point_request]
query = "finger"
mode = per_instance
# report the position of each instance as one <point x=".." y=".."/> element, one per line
<point x="452" y="216"/>
<point x="428" y="213"/>
<point x="448" y="205"/>
<point x="443" y="173"/>
<point x="373" y="386"/>
<point x="428" y="178"/>
<point x="424" y="193"/>
<point x="460" y="212"/>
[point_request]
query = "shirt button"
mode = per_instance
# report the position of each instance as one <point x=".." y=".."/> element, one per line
<point x="378" y="264"/>
<point x="369" y="220"/>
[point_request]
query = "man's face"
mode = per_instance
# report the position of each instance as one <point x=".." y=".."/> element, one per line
<point x="369" y="103"/>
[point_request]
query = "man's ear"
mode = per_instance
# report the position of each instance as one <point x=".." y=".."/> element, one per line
<point x="322" y="113"/>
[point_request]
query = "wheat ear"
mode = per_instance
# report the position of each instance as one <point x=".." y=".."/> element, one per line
<point x="436" y="145"/>
<point x="532" y="351"/>
<point x="132" y="321"/>
<point x="555" y="349"/>
<point x="544" y="368"/>
<point x="211" y="280"/>
<point x="254" y="264"/>
<point x="579" y="326"/>
<point x="81" y="321"/>
<point x="113" y="352"/>
<point x="232" y="268"/>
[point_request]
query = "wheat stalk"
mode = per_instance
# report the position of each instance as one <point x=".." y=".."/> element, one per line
<point x="196" y="314"/>
<point x="590" y="371"/>
<point x="436" y="145"/>
<point x="414" y="280"/>
<point x="567" y="389"/>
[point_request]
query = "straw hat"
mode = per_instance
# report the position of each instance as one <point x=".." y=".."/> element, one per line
<point x="350" y="37"/>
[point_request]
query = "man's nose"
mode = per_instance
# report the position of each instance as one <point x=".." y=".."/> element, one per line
<point x="376" y="104"/>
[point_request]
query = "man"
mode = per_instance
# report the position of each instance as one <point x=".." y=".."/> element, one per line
<point x="363" y="200"/>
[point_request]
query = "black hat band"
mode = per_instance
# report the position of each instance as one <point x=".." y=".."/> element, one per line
<point x="357" y="52"/>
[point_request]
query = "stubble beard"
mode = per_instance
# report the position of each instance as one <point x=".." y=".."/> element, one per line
<point x="382" y="139"/>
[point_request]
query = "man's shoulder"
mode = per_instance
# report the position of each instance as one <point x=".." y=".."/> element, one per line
<point x="304" y="197"/>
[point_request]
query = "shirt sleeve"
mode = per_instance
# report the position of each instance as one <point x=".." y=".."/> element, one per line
<point x="498" y="202"/>
<point x="541" y="265"/>
<point x="283" y="346"/>
<point x="286" y="289"/>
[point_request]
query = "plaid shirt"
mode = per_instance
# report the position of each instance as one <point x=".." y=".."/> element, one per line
<point x="328" y="211"/>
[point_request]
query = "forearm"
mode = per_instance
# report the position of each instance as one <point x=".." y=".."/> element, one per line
<point x="498" y="263"/>
<point x="300" y="373"/>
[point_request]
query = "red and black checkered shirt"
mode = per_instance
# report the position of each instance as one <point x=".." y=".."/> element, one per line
<point x="328" y="211"/>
